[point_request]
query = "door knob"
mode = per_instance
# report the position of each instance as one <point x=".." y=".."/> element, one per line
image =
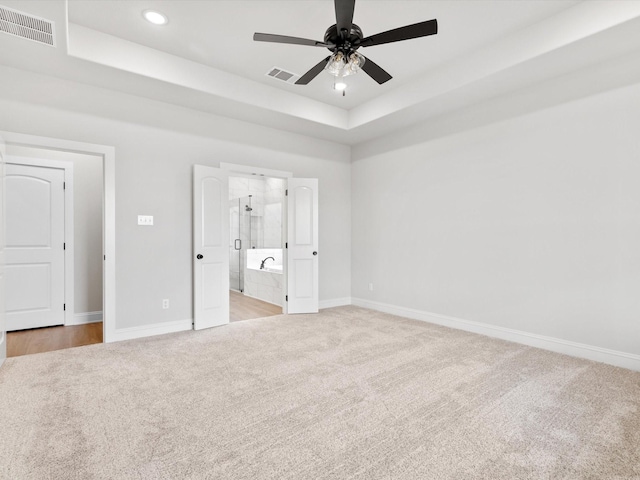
<point x="199" y="257"/>
<point x="315" y="253"/>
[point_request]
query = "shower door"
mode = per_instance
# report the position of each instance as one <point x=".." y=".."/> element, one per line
<point x="240" y="239"/>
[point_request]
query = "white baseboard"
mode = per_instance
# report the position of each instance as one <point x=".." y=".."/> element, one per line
<point x="334" y="302"/>
<point x="87" y="317"/>
<point x="150" y="330"/>
<point x="581" y="350"/>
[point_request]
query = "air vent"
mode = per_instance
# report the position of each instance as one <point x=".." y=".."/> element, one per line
<point x="27" y="26"/>
<point x="283" y="75"/>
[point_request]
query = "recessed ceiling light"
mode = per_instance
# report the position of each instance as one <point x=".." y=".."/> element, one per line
<point x="340" y="86"/>
<point x="155" y="17"/>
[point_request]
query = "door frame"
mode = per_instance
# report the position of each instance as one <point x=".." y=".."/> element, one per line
<point x="69" y="252"/>
<point x="107" y="154"/>
<point x="249" y="171"/>
<point x="3" y="326"/>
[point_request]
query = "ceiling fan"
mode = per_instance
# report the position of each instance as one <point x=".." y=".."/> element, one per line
<point x="345" y="38"/>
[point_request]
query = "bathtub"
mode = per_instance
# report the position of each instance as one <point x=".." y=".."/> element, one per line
<point x="264" y="283"/>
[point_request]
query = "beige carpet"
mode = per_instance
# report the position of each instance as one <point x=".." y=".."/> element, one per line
<point x="345" y="394"/>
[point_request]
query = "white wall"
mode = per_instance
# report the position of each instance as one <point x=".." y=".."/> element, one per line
<point x="156" y="146"/>
<point x="87" y="222"/>
<point x="531" y="224"/>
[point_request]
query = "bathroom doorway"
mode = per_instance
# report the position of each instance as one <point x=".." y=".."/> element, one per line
<point x="256" y="212"/>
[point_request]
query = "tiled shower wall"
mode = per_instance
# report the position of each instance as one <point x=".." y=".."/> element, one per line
<point x="272" y="226"/>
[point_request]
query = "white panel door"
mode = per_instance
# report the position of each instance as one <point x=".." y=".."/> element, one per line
<point x="34" y="246"/>
<point x="210" y="247"/>
<point x="302" y="252"/>
<point x="3" y="326"/>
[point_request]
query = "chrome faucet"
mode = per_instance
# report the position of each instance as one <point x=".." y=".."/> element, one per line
<point x="262" y="264"/>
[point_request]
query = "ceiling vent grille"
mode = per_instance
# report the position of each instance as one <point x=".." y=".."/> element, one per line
<point x="283" y="75"/>
<point x="27" y="26"/>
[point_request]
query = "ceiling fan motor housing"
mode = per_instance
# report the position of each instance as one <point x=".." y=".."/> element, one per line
<point x="350" y="43"/>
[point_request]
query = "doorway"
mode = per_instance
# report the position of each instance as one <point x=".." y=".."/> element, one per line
<point x="256" y="259"/>
<point x="54" y="251"/>
<point x="104" y="307"/>
<point x="212" y="243"/>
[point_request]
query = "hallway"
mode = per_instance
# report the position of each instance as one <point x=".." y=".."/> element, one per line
<point x="38" y="340"/>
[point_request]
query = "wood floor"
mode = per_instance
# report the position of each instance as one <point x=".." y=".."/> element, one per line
<point x="245" y="308"/>
<point x="38" y="340"/>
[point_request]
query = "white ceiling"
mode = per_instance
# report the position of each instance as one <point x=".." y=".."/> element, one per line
<point x="220" y="34"/>
<point x="205" y="58"/>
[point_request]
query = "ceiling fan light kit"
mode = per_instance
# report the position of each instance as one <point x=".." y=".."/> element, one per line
<point x="344" y="38"/>
<point x="338" y="66"/>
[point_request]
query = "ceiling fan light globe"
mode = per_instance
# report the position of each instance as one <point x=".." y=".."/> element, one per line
<point x="336" y="64"/>
<point x="356" y="61"/>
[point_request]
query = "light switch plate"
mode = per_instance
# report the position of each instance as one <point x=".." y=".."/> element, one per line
<point x="145" y="219"/>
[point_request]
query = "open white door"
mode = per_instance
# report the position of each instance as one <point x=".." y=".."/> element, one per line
<point x="210" y="247"/>
<point x="302" y="239"/>
<point x="3" y="327"/>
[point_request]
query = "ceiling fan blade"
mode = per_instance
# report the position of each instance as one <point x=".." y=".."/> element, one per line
<point x="422" y="29"/>
<point x="313" y="73"/>
<point x="375" y="71"/>
<point x="268" y="37"/>
<point x="344" y="14"/>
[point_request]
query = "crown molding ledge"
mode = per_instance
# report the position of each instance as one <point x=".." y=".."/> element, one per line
<point x="570" y="27"/>
<point x="101" y="48"/>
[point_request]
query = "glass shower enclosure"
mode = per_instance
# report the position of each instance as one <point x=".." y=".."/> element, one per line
<point x="240" y="239"/>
